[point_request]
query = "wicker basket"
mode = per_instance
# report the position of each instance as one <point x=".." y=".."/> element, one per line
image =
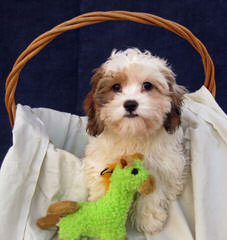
<point x="96" y="17"/>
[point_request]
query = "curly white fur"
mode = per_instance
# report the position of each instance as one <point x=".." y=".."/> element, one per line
<point x="145" y="133"/>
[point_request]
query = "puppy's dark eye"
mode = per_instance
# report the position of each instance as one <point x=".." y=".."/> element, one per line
<point x="134" y="171"/>
<point x="147" y="86"/>
<point x="116" y="87"/>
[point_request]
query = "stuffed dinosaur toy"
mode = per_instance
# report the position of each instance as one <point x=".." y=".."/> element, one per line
<point x="106" y="217"/>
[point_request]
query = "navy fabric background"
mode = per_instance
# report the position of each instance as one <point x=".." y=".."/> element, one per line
<point x="58" y="77"/>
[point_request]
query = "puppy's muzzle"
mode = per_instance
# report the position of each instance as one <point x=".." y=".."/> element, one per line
<point x="148" y="186"/>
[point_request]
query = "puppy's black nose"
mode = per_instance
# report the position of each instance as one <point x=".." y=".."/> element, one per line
<point x="130" y="105"/>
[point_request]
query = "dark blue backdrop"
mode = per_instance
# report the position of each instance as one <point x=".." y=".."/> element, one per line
<point x="59" y="76"/>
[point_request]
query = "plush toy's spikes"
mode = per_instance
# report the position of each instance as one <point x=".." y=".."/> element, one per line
<point x="123" y="163"/>
<point x="48" y="222"/>
<point x="63" y="208"/>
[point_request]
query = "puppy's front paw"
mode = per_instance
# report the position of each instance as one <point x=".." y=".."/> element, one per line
<point x="151" y="222"/>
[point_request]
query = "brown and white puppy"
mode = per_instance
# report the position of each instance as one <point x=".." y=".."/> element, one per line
<point x="135" y="106"/>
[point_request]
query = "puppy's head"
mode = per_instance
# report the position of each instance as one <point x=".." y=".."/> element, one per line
<point x="133" y="93"/>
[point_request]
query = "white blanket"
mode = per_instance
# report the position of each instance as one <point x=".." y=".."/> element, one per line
<point x="44" y="166"/>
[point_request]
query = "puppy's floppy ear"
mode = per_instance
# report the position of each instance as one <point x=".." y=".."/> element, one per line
<point x="176" y="92"/>
<point x="95" y="125"/>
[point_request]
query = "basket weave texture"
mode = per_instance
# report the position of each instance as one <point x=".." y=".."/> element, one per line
<point x="97" y="17"/>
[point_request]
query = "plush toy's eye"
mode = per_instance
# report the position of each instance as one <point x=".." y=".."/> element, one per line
<point x="116" y="87"/>
<point x="147" y="86"/>
<point x="134" y="171"/>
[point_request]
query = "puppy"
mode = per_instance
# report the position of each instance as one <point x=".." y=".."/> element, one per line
<point x="135" y="106"/>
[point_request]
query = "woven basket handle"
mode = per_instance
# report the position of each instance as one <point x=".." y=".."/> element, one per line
<point x="96" y="17"/>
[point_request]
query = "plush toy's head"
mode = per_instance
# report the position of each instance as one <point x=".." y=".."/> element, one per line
<point x="130" y="175"/>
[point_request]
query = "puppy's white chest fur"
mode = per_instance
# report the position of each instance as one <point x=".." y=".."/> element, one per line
<point x="163" y="156"/>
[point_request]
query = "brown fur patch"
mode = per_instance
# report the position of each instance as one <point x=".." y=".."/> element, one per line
<point x="95" y="125"/>
<point x="100" y="94"/>
<point x="176" y="92"/>
<point x="173" y="118"/>
<point x="104" y="92"/>
<point x="139" y="73"/>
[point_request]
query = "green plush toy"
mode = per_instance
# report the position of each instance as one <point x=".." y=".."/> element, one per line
<point x="105" y="218"/>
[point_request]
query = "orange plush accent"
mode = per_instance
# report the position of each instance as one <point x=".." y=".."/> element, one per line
<point x="106" y="176"/>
